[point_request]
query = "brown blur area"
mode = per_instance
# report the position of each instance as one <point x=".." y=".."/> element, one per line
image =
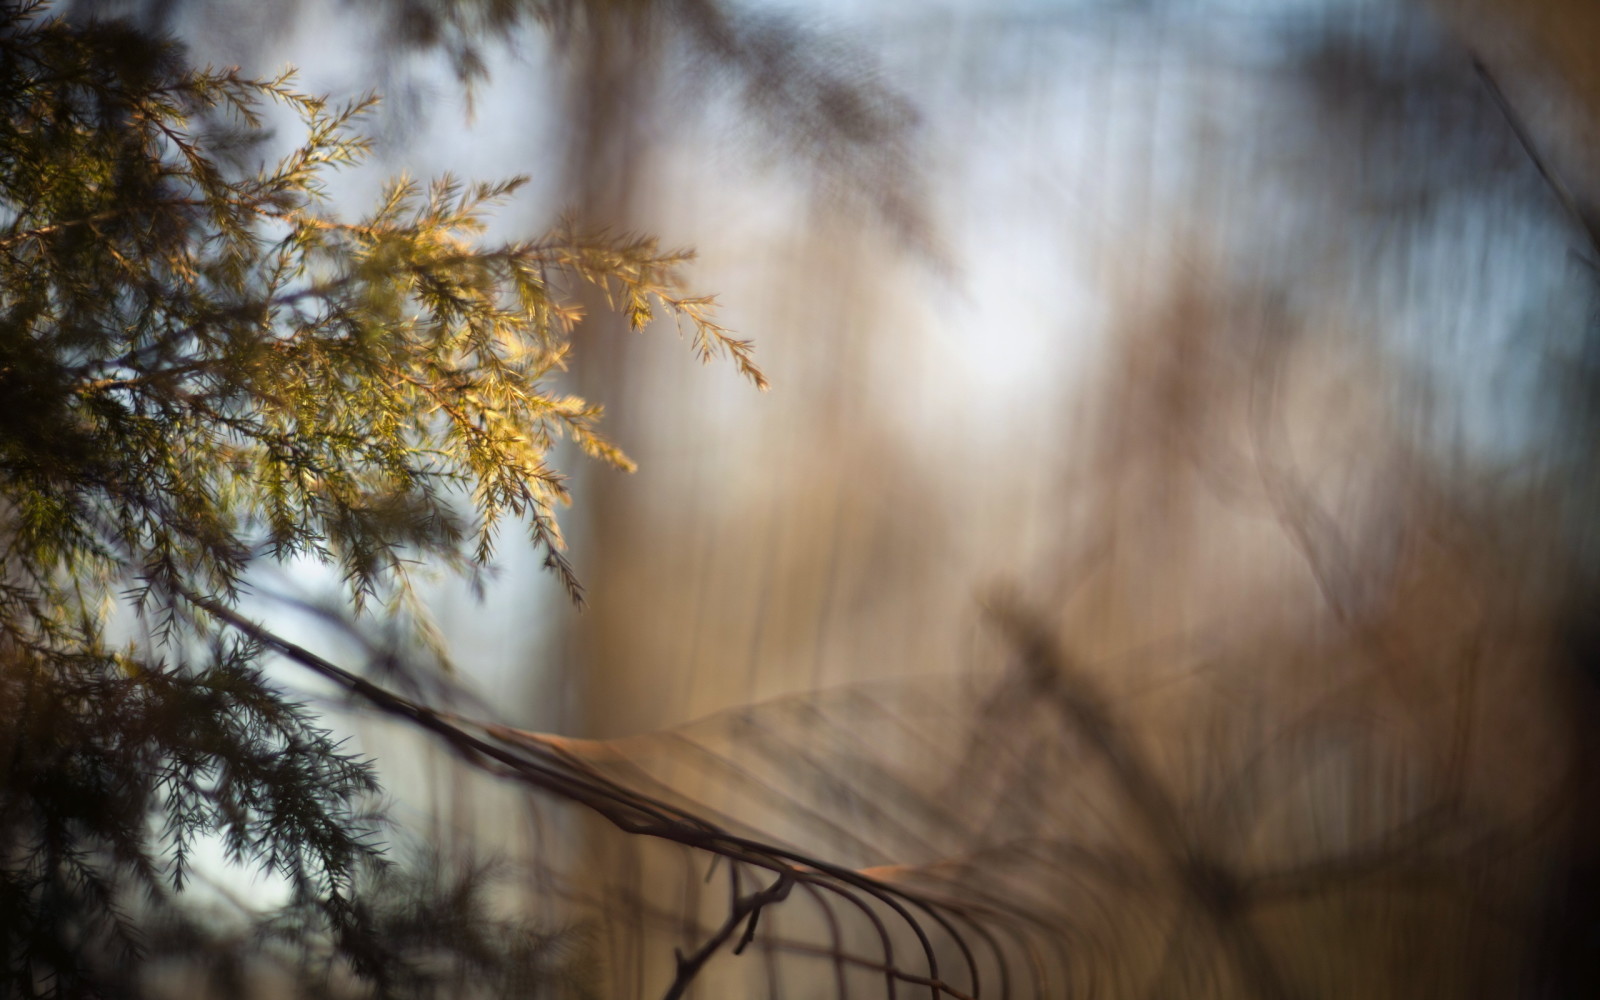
<point x="1226" y="640"/>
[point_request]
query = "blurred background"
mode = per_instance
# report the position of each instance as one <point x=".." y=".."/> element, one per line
<point x="1168" y="538"/>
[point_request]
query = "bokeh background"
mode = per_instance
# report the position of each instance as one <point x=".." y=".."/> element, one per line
<point x="1232" y="360"/>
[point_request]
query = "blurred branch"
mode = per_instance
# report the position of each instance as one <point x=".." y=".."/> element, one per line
<point x="1211" y="886"/>
<point x="1584" y="217"/>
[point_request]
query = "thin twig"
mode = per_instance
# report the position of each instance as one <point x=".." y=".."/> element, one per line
<point x="1519" y="128"/>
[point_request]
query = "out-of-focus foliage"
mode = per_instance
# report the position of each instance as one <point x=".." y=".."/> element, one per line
<point x="812" y="100"/>
<point x="438" y="924"/>
<point x="202" y="367"/>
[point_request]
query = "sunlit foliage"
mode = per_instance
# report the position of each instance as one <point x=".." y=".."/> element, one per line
<point x="202" y="366"/>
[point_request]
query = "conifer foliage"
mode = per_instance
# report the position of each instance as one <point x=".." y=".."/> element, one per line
<point x="201" y="367"/>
